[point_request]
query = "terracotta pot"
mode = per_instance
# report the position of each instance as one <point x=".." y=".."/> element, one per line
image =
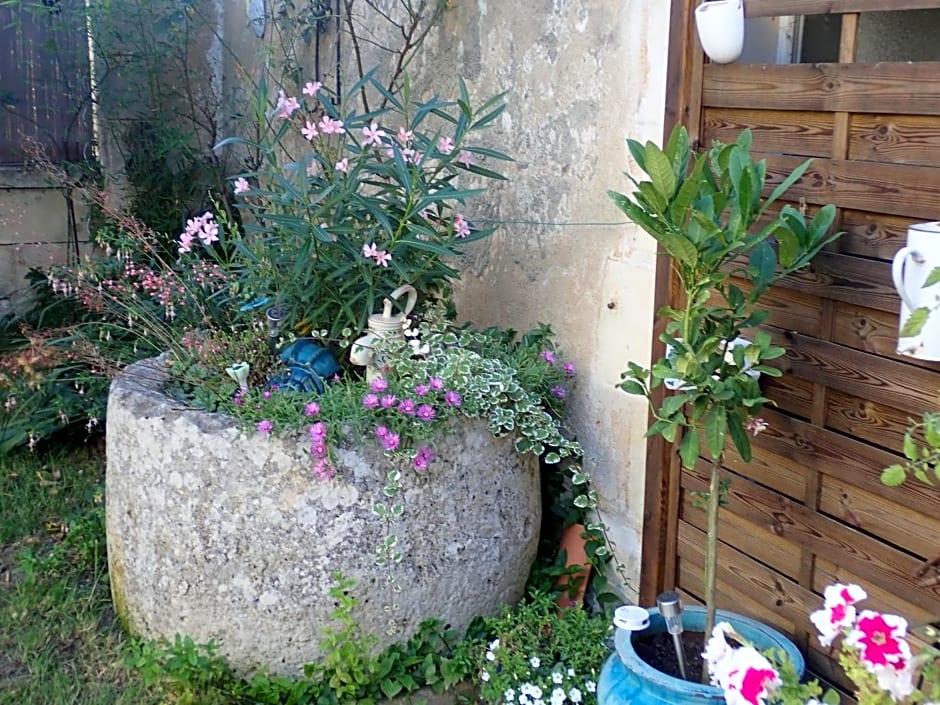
<point x="574" y="545"/>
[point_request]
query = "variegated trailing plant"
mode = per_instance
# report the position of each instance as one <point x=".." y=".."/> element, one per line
<point x="707" y="212"/>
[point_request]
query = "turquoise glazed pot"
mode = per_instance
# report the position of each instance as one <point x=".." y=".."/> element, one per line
<point x="628" y="680"/>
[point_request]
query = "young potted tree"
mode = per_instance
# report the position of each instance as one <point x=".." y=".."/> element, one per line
<point x="707" y="212"/>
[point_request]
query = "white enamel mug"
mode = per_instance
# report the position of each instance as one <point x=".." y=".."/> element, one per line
<point x="909" y="270"/>
<point x="720" y="25"/>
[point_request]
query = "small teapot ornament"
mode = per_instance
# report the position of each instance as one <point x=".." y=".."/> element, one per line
<point x="382" y="326"/>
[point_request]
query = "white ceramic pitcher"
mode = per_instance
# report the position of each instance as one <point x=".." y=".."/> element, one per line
<point x="720" y="25"/>
<point x="910" y="269"/>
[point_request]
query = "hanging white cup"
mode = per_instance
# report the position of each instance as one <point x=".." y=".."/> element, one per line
<point x="909" y="270"/>
<point x="720" y="25"/>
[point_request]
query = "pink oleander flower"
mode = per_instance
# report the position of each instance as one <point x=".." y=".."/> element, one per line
<point x="383" y="258"/>
<point x="405" y="136"/>
<point x="265" y="426"/>
<point x="838" y="611"/>
<point x="241" y="185"/>
<point x="370" y="250"/>
<point x="309" y="131"/>
<point x="311" y="88"/>
<point x="445" y="145"/>
<point x="426" y="412"/>
<point x="548" y="356"/>
<point x="370" y="400"/>
<point x="379" y="384"/>
<point x="186" y="242"/>
<point x="388" y="401"/>
<point x="285" y="106"/>
<point x="452" y="398"/>
<point x="461" y="226"/>
<point x="373" y="135"/>
<point x="391" y="441"/>
<point x="407" y="406"/>
<point x="329" y="126"/>
<point x="311" y="409"/>
<point x="343" y="165"/>
<point x="465" y="158"/>
<point x="756" y="426"/>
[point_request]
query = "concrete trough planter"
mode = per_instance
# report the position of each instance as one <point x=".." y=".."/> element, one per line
<point x="221" y="534"/>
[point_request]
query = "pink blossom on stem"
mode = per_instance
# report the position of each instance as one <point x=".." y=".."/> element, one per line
<point x="379" y="384"/>
<point x="746" y="676"/>
<point x="318" y="449"/>
<point x="391" y="441"/>
<point x="383" y="258"/>
<point x="465" y="158"/>
<point x="265" y="426"/>
<point x="426" y="412"/>
<point x="445" y="145"/>
<point x="241" y="185"/>
<point x="558" y="391"/>
<point x="285" y="106"/>
<point x="343" y="165"/>
<point x="388" y="401"/>
<point x="452" y="398"/>
<point x="407" y="407"/>
<point x="436" y="383"/>
<point x="311" y="88"/>
<point x="548" y="356"/>
<point x="370" y="251"/>
<point x="370" y="400"/>
<point x="405" y="136"/>
<point x="422" y="389"/>
<point x="568" y="368"/>
<point x="423" y="458"/>
<point x="373" y="135"/>
<point x="381" y="431"/>
<point x="329" y="126"/>
<point x="317" y="431"/>
<point x="311" y="409"/>
<point x="186" y="242"/>
<point x="323" y="469"/>
<point x="309" y="131"/>
<point x="461" y="226"/>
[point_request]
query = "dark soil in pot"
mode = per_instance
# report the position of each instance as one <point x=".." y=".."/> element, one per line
<point x="658" y="651"/>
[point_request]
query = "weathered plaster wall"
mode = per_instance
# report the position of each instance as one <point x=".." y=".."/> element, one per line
<point x="579" y="78"/>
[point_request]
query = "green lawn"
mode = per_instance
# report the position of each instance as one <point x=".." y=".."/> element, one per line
<point x="59" y="642"/>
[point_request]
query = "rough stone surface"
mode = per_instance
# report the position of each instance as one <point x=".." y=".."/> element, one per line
<point x="224" y="535"/>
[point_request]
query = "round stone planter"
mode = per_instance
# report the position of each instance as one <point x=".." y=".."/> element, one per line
<point x="220" y="534"/>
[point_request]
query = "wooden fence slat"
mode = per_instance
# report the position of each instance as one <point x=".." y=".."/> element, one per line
<point x="889" y="382"/>
<point x="899" y="139"/>
<point x="778" y="8"/>
<point x="887" y="88"/>
<point x="839" y="456"/>
<point x="776" y="131"/>
<point x="873" y="234"/>
<point x="874" y="332"/>
<point x="823" y="536"/>
<point x="867" y="420"/>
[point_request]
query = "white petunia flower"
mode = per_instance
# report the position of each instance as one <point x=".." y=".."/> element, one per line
<point x="575" y="695"/>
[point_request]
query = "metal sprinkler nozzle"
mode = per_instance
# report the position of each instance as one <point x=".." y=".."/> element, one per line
<point x="670" y="607"/>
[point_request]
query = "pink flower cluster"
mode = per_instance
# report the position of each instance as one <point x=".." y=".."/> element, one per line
<point x="876" y="641"/>
<point x="381" y="257"/>
<point x="323" y="468"/>
<point x="420" y="409"/>
<point x="202" y="227"/>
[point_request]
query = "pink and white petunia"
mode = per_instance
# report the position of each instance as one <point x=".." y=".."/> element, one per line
<point x="880" y="641"/>
<point x="747" y="677"/>
<point x="838" y="612"/>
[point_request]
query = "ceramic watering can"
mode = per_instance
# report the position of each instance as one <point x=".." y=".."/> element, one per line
<point x="384" y="326"/>
<point x="910" y="269"/>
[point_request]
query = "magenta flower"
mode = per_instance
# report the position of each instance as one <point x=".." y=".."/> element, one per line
<point x="880" y="640"/>
<point x="266" y="394"/>
<point x="265" y="426"/>
<point x="311" y="409"/>
<point x="407" y="406"/>
<point x="422" y="389"/>
<point x="388" y="401"/>
<point x="568" y="368"/>
<point x="436" y="383"/>
<point x="558" y="391"/>
<point x="838" y="611"/>
<point x="391" y="441"/>
<point x="318" y="448"/>
<point x="453" y="398"/>
<point x="548" y="356"/>
<point x="423" y="458"/>
<point x="370" y="400"/>
<point x="381" y="431"/>
<point x="426" y="412"/>
<point x="379" y="384"/>
<point x="318" y="431"/>
<point x="323" y="469"/>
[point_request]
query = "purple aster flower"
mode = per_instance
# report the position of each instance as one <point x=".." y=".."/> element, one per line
<point x="379" y="384"/>
<point x="370" y="400"/>
<point x="407" y="406"/>
<point x="436" y="383"/>
<point x="388" y="401"/>
<point x="422" y="389"/>
<point x="318" y="431"/>
<point x="548" y="356"/>
<point x="391" y="441"/>
<point x="311" y="409"/>
<point x="381" y="431"/>
<point x="453" y="398"/>
<point x="426" y="412"/>
<point x="568" y="367"/>
<point x="558" y="391"/>
<point x="265" y="426"/>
